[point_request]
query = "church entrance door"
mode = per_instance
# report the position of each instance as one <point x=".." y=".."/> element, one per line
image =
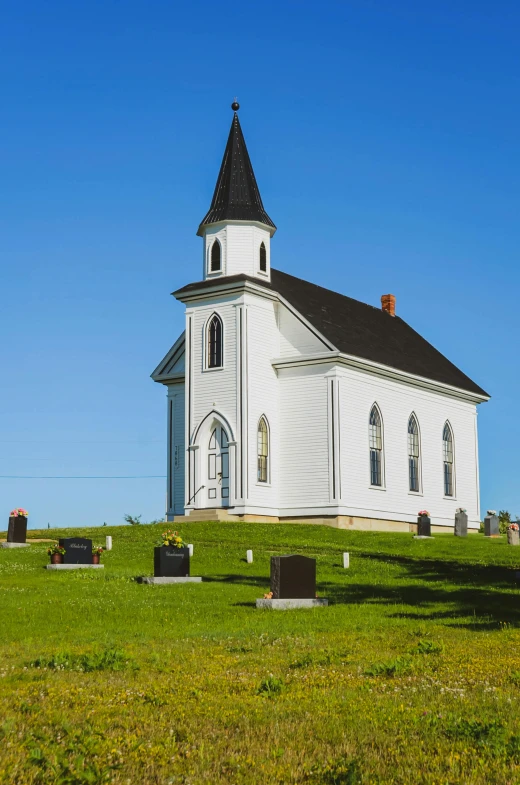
<point x="217" y="481"/>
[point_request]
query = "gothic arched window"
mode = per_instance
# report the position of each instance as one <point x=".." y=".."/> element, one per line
<point x="216" y="254"/>
<point x="447" y="457"/>
<point x="413" y="454"/>
<point x="263" y="451"/>
<point x="376" y="447"/>
<point x="263" y="258"/>
<point x="214" y="342"/>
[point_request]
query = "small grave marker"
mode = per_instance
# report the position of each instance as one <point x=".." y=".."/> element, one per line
<point x="346" y="561"/>
<point x="108" y="543"/>
<point x="461" y="523"/>
<point x="249" y="557"/>
<point x="491" y="525"/>
<point x="190" y="549"/>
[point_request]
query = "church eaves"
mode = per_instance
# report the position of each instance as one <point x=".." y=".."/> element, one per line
<point x="236" y="197"/>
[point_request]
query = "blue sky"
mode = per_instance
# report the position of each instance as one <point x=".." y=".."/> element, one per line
<point x="384" y="136"/>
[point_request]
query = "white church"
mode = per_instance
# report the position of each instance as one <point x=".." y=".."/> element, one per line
<point x="291" y="402"/>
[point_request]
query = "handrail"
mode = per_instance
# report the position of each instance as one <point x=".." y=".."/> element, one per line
<point x="196" y="492"/>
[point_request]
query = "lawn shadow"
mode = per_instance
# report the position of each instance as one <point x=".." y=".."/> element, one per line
<point x="483" y="593"/>
<point x="243" y="580"/>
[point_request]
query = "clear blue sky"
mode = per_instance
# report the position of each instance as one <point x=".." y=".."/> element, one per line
<point x="384" y="136"/>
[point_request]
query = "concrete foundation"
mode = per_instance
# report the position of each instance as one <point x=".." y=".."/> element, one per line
<point x="287" y="605"/>
<point x="15" y="544"/>
<point x="335" y="521"/>
<point x="75" y="567"/>
<point x="161" y="581"/>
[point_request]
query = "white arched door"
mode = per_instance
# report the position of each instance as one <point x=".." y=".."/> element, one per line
<point x="217" y="468"/>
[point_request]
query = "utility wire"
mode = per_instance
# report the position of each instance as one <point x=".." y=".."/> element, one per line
<point x="83" y="477"/>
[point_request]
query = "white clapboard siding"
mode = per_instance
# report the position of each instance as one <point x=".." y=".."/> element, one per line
<point x="396" y="401"/>
<point x="176" y="450"/>
<point x="240" y="250"/>
<point x="213" y="388"/>
<point x="262" y="389"/>
<point x="295" y="336"/>
<point x="304" y="456"/>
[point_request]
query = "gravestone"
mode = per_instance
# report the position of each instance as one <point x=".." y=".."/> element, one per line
<point x="78" y="550"/>
<point x="461" y="524"/>
<point x="169" y="562"/>
<point x="491" y="527"/>
<point x="17" y="530"/>
<point x="424" y="526"/>
<point x="293" y="577"/>
<point x="513" y="536"/>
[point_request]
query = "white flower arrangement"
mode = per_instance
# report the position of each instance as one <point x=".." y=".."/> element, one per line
<point x="461" y="509"/>
<point x="491" y="512"/>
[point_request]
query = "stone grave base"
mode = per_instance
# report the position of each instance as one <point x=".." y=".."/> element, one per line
<point x="15" y="544"/>
<point x="74" y="566"/>
<point x="153" y="579"/>
<point x="286" y="605"/>
<point x="422" y="537"/>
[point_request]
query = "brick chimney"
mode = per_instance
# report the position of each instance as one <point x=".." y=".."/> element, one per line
<point x="388" y="303"/>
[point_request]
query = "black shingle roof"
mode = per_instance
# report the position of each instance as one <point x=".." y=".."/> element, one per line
<point x="236" y="196"/>
<point x="358" y="329"/>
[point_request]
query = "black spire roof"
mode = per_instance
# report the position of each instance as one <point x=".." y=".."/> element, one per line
<point x="236" y="196"/>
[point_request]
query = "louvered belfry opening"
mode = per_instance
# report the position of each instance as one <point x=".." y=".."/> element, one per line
<point x="237" y="196"/>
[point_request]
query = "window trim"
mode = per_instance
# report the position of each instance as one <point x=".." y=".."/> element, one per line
<point x="207" y="366"/>
<point x="209" y="271"/>
<point x="419" y="491"/>
<point x="267" y="482"/>
<point x="262" y="272"/>
<point x="453" y="494"/>
<point x="382" y="486"/>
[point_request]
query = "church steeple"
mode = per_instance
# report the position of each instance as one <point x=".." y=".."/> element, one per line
<point x="236" y="229"/>
<point x="237" y="196"/>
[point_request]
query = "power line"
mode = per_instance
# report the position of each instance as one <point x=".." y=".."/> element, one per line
<point x="84" y="477"/>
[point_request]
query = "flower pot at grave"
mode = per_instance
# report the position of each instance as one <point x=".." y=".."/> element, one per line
<point x="56" y="558"/>
<point x="95" y="558"/>
<point x="513" y="537"/>
<point x="424" y="526"/>
<point x="170" y="562"/>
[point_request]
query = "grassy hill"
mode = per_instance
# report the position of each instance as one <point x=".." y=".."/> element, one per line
<point x="411" y="675"/>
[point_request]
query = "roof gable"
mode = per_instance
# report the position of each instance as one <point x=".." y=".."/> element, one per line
<point x="355" y="328"/>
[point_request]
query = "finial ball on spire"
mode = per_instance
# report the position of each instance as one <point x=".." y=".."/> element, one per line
<point x="235" y="106"/>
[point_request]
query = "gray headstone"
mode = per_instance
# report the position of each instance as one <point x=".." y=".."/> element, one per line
<point x="513" y="537"/>
<point x="461" y="524"/>
<point x="491" y="527"/>
<point x="293" y="577"/>
<point x="17" y="530"/>
<point x="78" y="550"/>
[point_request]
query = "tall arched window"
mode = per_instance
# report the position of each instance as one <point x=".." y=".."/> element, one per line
<point x="376" y="447"/>
<point x="215" y="257"/>
<point x="263" y="258"/>
<point x="263" y="451"/>
<point x="214" y="342"/>
<point x="413" y="454"/>
<point x="447" y="455"/>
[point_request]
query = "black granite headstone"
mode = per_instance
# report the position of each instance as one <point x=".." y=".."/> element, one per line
<point x="169" y="562"/>
<point x="491" y="527"/>
<point x="78" y="550"/>
<point x="293" y="577"/>
<point x="424" y="526"/>
<point x="17" y="531"/>
<point x="461" y="524"/>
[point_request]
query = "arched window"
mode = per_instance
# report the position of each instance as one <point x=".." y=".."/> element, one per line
<point x="263" y="451"/>
<point x="215" y="257"/>
<point x="413" y="454"/>
<point x="263" y="258"/>
<point x="447" y="456"/>
<point x="376" y="447"/>
<point x="214" y="342"/>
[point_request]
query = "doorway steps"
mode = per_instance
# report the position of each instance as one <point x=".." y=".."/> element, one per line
<point x="210" y="514"/>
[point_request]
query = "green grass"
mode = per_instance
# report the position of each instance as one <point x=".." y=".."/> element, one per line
<point x="411" y="675"/>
